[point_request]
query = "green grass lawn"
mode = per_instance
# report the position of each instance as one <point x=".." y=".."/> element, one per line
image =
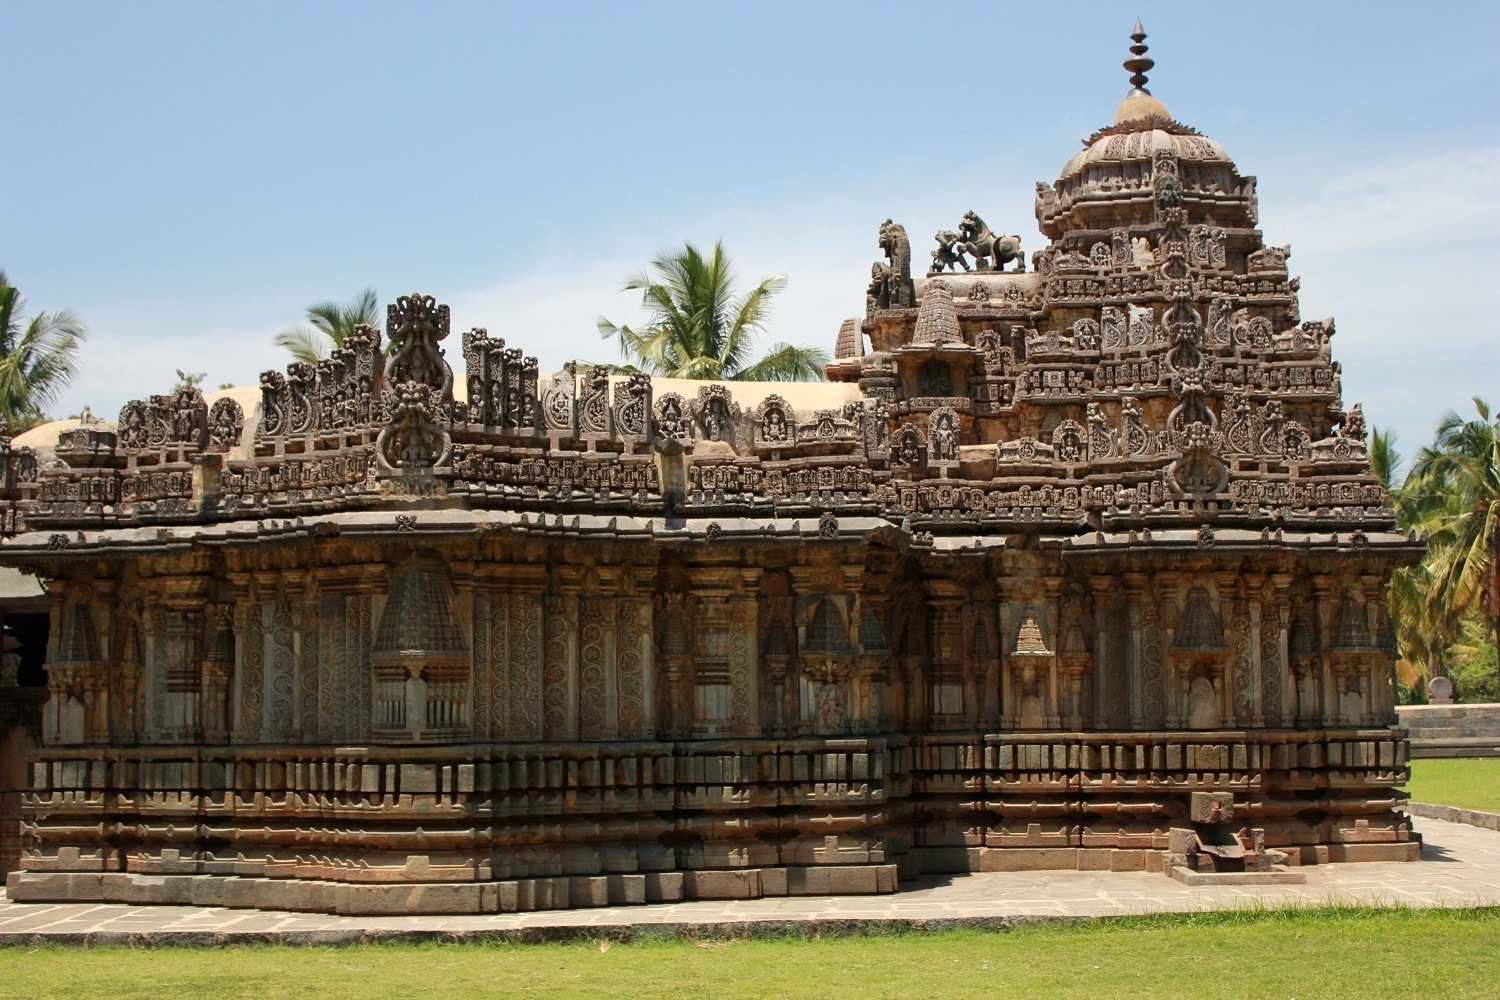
<point x="1465" y="782"/>
<point x="1316" y="953"/>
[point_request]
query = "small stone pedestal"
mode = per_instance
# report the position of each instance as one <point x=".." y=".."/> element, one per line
<point x="1209" y="853"/>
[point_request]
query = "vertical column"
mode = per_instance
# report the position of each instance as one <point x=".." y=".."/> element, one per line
<point x="596" y="641"/>
<point x="1330" y="712"/>
<point x="218" y="673"/>
<point x="309" y="669"/>
<point x="1111" y="705"/>
<point x="1008" y="623"/>
<point x="106" y="600"/>
<point x="744" y="656"/>
<point x="55" y="711"/>
<point x="1135" y="596"/>
<point x="634" y="645"/>
<point x="560" y="672"/>
<point x="125" y="725"/>
<point x="1238" y="704"/>
<point x="986" y="692"/>
<point x="359" y="624"/>
<point x="1383" y="663"/>
<point x="332" y="705"/>
<point x="480" y="667"/>
<point x="1255" y="609"/>
<point x="499" y="693"/>
<point x="280" y="673"/>
<point x="1052" y="596"/>
<point x="946" y="677"/>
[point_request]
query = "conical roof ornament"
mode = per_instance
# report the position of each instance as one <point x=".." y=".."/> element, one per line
<point x="937" y="319"/>
<point x="1138" y="63"/>
<point x="1139" y="105"/>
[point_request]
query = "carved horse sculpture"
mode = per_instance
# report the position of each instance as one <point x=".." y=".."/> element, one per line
<point x="985" y="246"/>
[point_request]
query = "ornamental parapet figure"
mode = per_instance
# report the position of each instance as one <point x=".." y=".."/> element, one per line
<point x="1101" y="529"/>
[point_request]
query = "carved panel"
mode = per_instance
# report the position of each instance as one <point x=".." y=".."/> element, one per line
<point x="251" y="672"/>
<point x="280" y="676"/>
<point x="1153" y="665"/>
<point x="632" y="644"/>
<point x="561" y="620"/>
<point x="525" y="667"/>
<point x="596" y="615"/>
<point x="1271" y="666"/>
<point x="1241" y="682"/>
<point x="482" y="666"/>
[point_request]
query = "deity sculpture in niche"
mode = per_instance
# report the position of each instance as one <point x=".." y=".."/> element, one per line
<point x="713" y="410"/>
<point x="674" y="423"/>
<point x="416" y="324"/>
<point x="413" y="439"/>
<point x="775" y="422"/>
<point x="942" y="436"/>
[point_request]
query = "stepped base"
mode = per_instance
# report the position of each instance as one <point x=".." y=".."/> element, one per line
<point x="510" y="896"/>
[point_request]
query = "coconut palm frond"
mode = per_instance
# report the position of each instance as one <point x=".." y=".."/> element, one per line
<point x="699" y="327"/>
<point x="786" y="363"/>
<point x="328" y="325"/>
<point x="304" y="343"/>
<point x="39" y="358"/>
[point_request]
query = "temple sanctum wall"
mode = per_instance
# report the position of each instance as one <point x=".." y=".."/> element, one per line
<point x="1057" y="546"/>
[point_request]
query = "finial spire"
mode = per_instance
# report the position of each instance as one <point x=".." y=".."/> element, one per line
<point x="1139" y="62"/>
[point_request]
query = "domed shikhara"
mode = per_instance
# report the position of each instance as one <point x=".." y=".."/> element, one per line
<point x="1111" y="182"/>
<point x="592" y="638"/>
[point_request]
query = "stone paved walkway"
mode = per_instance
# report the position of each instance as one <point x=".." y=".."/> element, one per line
<point x="1460" y="867"/>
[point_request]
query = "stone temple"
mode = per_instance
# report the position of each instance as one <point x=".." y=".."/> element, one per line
<point x="1063" y="541"/>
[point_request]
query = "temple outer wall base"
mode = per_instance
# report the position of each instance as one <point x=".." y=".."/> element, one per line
<point x="511" y="896"/>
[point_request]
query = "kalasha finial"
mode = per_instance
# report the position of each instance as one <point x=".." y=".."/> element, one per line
<point x="1139" y="62"/>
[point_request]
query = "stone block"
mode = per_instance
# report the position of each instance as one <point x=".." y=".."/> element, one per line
<point x="418" y="779"/>
<point x="858" y="880"/>
<point x="1409" y="851"/>
<point x="1211" y="807"/>
<point x="1181" y="840"/>
<point x="664" y="887"/>
<point x="54" y="887"/>
<point x="625" y="890"/>
<point x="773" y="881"/>
<point x="814" y="881"/>
<point x="396" y="899"/>
<point x="722" y="884"/>
<point x="1031" y="859"/>
<point x="588" y="890"/>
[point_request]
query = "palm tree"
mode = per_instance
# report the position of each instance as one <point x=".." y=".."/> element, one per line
<point x="1461" y="470"/>
<point x="699" y="328"/>
<point x="328" y="323"/>
<point x="1422" y="632"/>
<point x="38" y="357"/>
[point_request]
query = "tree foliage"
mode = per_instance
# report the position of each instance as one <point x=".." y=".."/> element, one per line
<point x="1446" y="609"/>
<point x="328" y="323"/>
<point x="699" y="328"/>
<point x="39" y="357"/>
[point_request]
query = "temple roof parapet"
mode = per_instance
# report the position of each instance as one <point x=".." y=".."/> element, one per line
<point x="1147" y="367"/>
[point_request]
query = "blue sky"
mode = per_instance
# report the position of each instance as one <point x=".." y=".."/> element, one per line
<point x="190" y="176"/>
